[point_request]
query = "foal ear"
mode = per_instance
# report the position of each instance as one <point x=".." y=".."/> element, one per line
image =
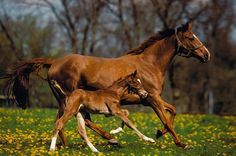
<point x="134" y="73"/>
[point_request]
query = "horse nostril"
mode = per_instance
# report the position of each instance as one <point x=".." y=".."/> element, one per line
<point x="206" y="57"/>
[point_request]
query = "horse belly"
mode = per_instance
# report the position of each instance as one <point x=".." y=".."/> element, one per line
<point x="102" y="74"/>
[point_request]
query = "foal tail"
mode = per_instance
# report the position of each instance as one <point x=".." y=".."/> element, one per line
<point x="17" y="85"/>
<point x="59" y="89"/>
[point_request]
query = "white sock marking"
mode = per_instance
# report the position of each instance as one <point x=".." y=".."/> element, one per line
<point x="114" y="131"/>
<point x="53" y="144"/>
<point x="92" y="147"/>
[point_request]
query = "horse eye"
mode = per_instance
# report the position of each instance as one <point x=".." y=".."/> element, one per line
<point x="191" y="38"/>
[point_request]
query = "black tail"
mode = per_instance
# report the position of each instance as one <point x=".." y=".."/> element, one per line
<point x="17" y="85"/>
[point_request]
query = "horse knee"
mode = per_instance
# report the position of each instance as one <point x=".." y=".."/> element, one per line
<point x="172" y="110"/>
<point x="168" y="126"/>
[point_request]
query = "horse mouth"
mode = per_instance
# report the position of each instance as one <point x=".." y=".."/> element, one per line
<point x="203" y="59"/>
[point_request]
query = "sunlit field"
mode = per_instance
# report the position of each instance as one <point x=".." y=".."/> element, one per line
<point x="28" y="132"/>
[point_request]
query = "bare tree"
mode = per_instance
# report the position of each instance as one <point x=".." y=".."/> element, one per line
<point x="67" y="20"/>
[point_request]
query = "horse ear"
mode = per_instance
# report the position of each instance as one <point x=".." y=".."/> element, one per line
<point x="188" y="26"/>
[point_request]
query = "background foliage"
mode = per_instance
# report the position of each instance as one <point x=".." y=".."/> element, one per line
<point x="108" y="28"/>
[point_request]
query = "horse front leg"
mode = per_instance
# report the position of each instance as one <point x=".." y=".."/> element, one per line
<point x="158" y="106"/>
<point x="171" y="109"/>
<point x="99" y="130"/>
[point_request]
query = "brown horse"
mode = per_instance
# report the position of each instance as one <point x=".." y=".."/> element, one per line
<point x="151" y="59"/>
<point x="103" y="101"/>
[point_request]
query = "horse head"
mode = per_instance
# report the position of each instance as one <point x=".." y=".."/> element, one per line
<point x="188" y="44"/>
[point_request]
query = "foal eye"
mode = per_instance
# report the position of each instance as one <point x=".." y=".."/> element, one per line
<point x="139" y="80"/>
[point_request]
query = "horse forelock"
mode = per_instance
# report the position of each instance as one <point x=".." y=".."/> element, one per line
<point x="151" y="40"/>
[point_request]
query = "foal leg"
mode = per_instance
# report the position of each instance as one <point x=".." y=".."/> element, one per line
<point x="99" y="130"/>
<point x="118" y="112"/>
<point x="58" y="126"/>
<point x="120" y="129"/>
<point x="82" y="131"/>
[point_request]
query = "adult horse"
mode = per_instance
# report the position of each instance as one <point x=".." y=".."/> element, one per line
<point x="151" y="59"/>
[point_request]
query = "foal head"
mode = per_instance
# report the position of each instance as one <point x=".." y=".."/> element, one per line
<point x="133" y="84"/>
<point x="188" y="45"/>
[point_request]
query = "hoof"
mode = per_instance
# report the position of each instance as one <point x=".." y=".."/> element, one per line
<point x="113" y="142"/>
<point x="151" y="140"/>
<point x="52" y="149"/>
<point x="159" y="134"/>
<point x="60" y="145"/>
<point x="182" y="145"/>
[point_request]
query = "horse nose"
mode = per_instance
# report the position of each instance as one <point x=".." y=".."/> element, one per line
<point x="206" y="57"/>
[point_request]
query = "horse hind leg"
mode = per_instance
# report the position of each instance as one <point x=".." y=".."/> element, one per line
<point x="60" y="112"/>
<point x="82" y="131"/>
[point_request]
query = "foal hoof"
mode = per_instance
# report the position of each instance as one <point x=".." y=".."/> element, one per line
<point x="60" y="145"/>
<point x="113" y="142"/>
<point x="182" y="145"/>
<point x="159" y="134"/>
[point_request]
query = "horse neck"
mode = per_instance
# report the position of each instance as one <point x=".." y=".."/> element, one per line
<point x="161" y="54"/>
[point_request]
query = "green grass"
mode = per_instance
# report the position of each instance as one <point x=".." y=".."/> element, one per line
<point x="28" y="132"/>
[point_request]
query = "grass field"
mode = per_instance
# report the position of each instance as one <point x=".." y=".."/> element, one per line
<point x="28" y="132"/>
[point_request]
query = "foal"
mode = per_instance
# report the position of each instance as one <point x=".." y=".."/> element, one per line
<point x="105" y="102"/>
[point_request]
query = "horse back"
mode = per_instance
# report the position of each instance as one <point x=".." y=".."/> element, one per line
<point x="88" y="72"/>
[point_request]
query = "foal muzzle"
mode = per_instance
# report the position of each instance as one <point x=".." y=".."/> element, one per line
<point x="143" y="94"/>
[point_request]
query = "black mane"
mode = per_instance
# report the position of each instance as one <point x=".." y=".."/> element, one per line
<point x="151" y="40"/>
